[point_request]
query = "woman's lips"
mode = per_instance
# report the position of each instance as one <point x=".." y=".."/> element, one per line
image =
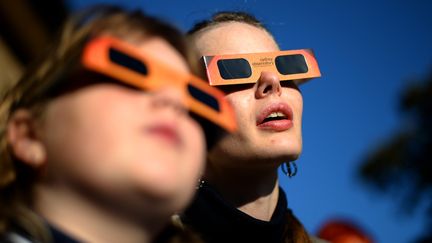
<point x="166" y="133"/>
<point x="277" y="117"/>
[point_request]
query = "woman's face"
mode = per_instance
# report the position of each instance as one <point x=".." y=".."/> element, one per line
<point x="258" y="142"/>
<point x="125" y="143"/>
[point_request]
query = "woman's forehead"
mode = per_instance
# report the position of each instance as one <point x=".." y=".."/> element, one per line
<point x="234" y="38"/>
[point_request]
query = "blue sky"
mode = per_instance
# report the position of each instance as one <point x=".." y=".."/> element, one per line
<point x="368" y="52"/>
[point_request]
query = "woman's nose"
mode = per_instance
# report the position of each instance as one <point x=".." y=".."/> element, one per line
<point x="268" y="84"/>
<point x="170" y="98"/>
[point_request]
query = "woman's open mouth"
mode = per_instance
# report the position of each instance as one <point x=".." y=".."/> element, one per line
<point x="277" y="117"/>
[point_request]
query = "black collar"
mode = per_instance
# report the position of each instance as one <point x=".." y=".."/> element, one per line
<point x="218" y="221"/>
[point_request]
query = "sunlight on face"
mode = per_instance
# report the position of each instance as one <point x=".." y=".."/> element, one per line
<point x="252" y="143"/>
<point x="126" y="144"/>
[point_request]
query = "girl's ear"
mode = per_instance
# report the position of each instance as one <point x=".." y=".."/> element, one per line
<point x="21" y="138"/>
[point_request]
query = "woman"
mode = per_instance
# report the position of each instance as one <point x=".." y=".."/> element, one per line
<point x="240" y="199"/>
<point x="97" y="144"/>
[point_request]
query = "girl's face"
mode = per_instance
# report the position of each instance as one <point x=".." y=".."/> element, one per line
<point x="258" y="139"/>
<point x="125" y="144"/>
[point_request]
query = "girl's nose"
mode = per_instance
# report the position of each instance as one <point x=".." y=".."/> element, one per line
<point x="170" y="98"/>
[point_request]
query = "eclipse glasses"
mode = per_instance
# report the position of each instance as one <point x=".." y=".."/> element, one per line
<point x="297" y="65"/>
<point x="126" y="63"/>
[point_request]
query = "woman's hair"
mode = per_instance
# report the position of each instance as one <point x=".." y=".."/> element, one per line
<point x="224" y="17"/>
<point x="295" y="231"/>
<point x="32" y="93"/>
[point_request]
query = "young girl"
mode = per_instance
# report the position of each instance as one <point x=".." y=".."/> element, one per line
<point x="97" y="144"/>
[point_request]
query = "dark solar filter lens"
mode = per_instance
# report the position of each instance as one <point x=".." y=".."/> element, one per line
<point x="203" y="97"/>
<point x="291" y="64"/>
<point x="234" y="68"/>
<point x="127" y="61"/>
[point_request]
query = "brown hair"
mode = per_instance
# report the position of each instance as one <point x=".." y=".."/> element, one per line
<point x="31" y="92"/>
<point x="295" y="231"/>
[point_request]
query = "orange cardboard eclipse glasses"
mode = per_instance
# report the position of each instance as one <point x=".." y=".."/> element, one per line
<point x="296" y="65"/>
<point x="128" y="64"/>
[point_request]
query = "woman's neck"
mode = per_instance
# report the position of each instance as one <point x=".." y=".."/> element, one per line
<point x="252" y="192"/>
<point x="80" y="218"/>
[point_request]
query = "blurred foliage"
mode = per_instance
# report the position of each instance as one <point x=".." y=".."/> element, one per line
<point x="403" y="164"/>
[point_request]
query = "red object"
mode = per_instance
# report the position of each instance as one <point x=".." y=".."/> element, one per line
<point x="343" y="231"/>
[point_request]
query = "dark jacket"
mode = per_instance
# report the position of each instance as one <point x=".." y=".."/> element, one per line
<point x="215" y="220"/>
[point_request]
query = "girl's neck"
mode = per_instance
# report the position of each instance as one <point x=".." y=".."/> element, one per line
<point x="86" y="221"/>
